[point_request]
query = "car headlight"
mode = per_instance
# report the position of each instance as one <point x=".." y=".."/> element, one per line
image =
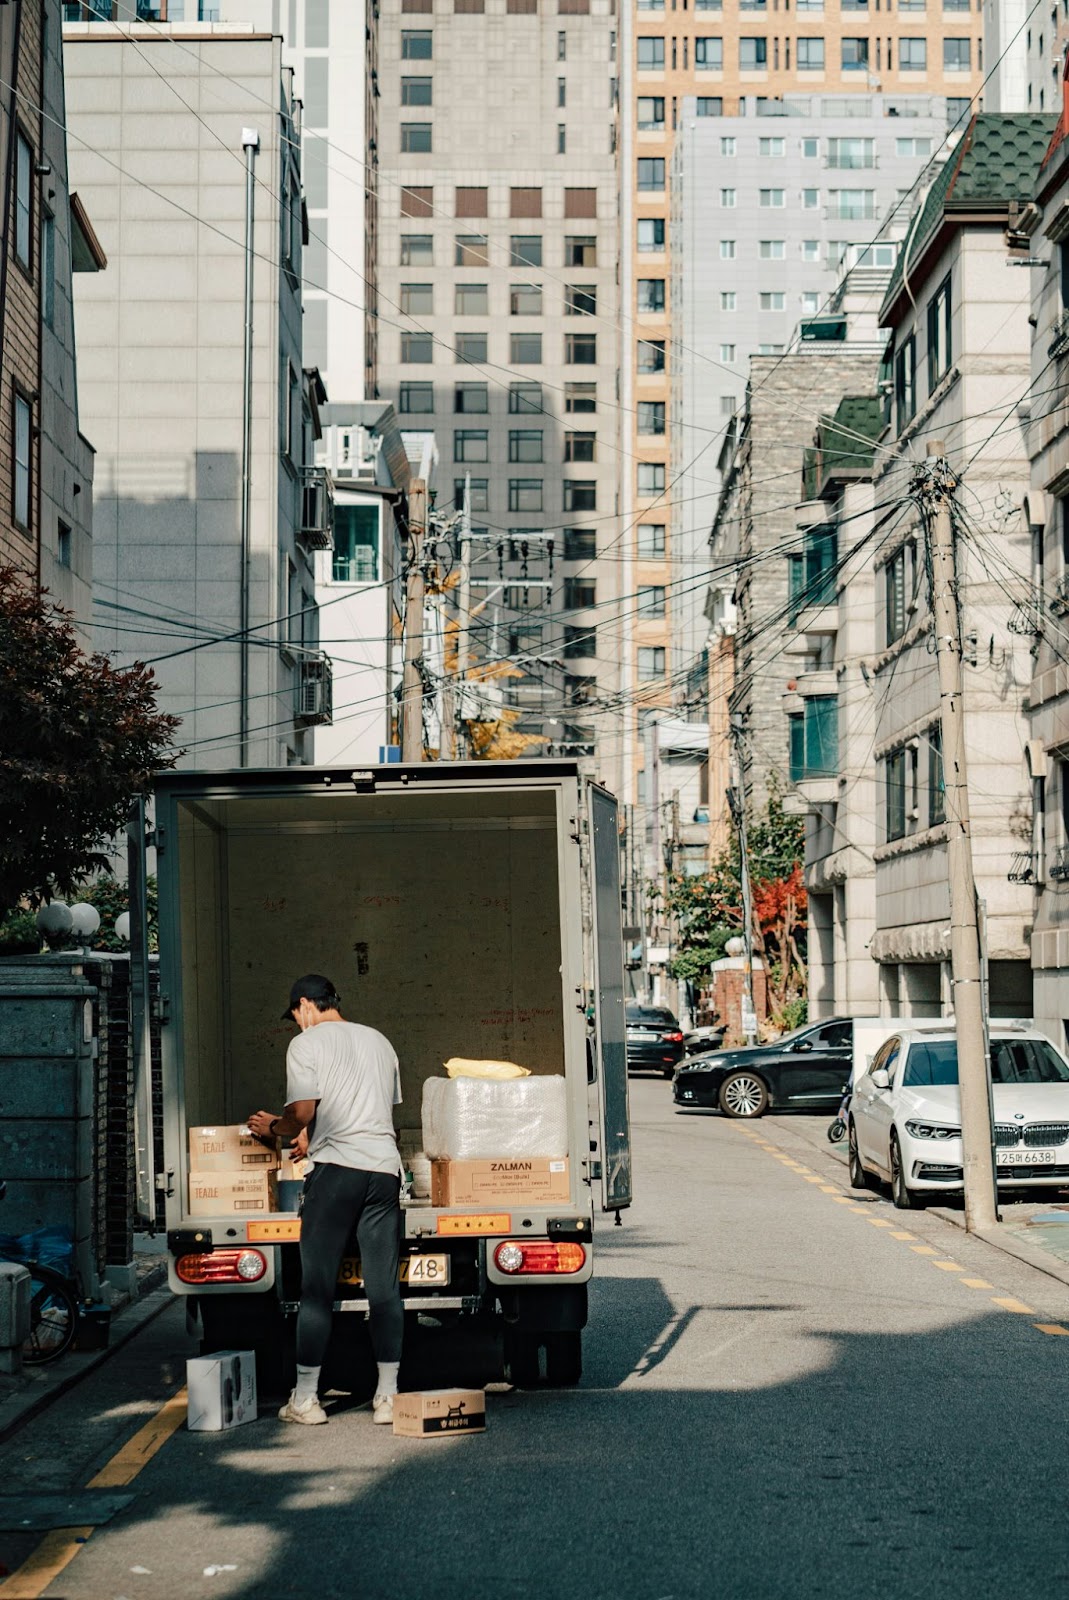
<point x="932" y="1130"/>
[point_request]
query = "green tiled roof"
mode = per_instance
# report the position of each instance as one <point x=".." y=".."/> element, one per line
<point x="837" y="447"/>
<point x="997" y="161"/>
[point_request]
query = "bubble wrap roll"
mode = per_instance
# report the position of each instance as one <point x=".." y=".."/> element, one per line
<point x="474" y="1119"/>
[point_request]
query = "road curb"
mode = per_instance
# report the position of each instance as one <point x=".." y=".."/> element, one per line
<point x="1030" y="1254"/>
<point x="48" y="1385"/>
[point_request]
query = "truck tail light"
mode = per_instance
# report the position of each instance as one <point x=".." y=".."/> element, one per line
<point x="672" y="1038"/>
<point x="519" y="1256"/>
<point x="222" y="1266"/>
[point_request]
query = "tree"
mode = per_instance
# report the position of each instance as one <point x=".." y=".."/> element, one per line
<point x="79" y="740"/>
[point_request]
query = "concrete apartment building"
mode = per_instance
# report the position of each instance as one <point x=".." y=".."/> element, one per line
<point x="959" y="368"/>
<point x="46" y="465"/>
<point x="727" y="55"/>
<point x="1043" y="861"/>
<point x="793" y="198"/>
<point x="167" y="123"/>
<point x="497" y="264"/>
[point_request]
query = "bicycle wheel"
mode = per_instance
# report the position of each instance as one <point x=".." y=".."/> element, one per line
<point x="53" y="1316"/>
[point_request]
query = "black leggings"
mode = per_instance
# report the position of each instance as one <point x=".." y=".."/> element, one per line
<point x="337" y="1199"/>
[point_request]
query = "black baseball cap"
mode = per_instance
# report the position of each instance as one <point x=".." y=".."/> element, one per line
<point x="313" y="986"/>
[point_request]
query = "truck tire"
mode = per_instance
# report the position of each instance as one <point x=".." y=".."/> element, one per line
<point x="564" y="1359"/>
<point x="521" y="1358"/>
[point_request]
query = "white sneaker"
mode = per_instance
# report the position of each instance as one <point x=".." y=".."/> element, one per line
<point x="309" y="1411"/>
<point x="382" y="1409"/>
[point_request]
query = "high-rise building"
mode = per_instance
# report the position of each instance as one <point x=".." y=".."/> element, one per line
<point x="732" y="56"/>
<point x="497" y="314"/>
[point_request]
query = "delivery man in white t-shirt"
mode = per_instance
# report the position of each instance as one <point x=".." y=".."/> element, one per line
<point x="342" y="1083"/>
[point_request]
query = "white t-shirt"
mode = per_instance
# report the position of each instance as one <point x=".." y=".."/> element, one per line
<point x="353" y="1073"/>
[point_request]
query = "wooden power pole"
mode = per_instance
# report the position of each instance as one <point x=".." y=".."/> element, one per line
<point x="974" y="1078"/>
<point x="412" y="682"/>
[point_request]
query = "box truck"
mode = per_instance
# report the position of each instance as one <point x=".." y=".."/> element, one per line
<point x="465" y="910"/>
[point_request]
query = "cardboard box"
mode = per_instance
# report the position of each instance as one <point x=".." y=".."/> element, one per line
<point x="222" y="1391"/>
<point x="229" y="1149"/>
<point x="226" y="1194"/>
<point x="294" y="1171"/>
<point x="436" y="1412"/>
<point x="476" y="1183"/>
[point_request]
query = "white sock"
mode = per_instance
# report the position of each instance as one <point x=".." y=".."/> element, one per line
<point x="387" y="1384"/>
<point x="307" y="1385"/>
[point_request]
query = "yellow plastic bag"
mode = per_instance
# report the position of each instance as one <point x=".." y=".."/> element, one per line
<point x="460" y="1067"/>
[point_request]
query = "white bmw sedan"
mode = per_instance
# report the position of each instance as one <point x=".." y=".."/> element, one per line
<point x="905" y="1115"/>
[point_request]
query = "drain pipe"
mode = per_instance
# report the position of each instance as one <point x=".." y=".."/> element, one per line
<point x="250" y="141"/>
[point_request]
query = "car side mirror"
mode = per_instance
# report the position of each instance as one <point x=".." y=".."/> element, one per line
<point x="881" y="1079"/>
<point x="803" y="1044"/>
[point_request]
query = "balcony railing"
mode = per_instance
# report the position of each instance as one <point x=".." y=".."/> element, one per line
<point x="317" y="509"/>
<point x="1022" y="867"/>
<point x="1059" y="867"/>
<point x="1059" y="335"/>
<point x="315" y="690"/>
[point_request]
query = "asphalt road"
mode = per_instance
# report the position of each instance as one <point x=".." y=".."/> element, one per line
<point x="789" y="1393"/>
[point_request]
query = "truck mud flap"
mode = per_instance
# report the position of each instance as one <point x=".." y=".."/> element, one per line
<point x="543" y="1309"/>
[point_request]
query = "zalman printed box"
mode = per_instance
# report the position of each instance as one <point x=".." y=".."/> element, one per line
<point x="228" y="1149"/>
<point x="222" y="1390"/>
<point x="474" y="1183"/>
<point x="435" y="1413"/>
<point x="232" y="1194"/>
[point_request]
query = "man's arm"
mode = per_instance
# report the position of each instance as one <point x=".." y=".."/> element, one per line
<point x="296" y="1117"/>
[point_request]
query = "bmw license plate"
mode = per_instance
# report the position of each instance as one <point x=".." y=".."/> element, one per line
<point x="430" y="1272"/>
<point x="1026" y="1158"/>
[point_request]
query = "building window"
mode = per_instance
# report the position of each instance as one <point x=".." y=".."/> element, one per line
<point x="64" y="541"/>
<point x="776" y="148"/>
<point x="650" y="57"/>
<point x="525" y="202"/>
<point x="580" y="250"/>
<point x="853" y="205"/>
<point x="470" y="444"/>
<point x="957" y="55"/>
<point x="810" y="199"/>
<point x="651" y="416"/>
<point x="727" y="249"/>
<point x="650" y="113"/>
<point x="650" y="173"/>
<point x="525" y="300"/>
<point x="651" y="355"/>
<point x="417" y="202"/>
<point x="579" y="593"/>
<point x="651" y="600"/>
<point x="525" y="494"/>
<point x="471" y="397"/>
<point x="650" y="234"/>
<point x="650" y="477"/>
<point x="709" y="106"/>
<point x="855" y="55"/>
<point x="580" y="447"/>
<point x="478" y="494"/>
<point x="772" y="199"/>
<point x="651" y="541"/>
<point x="939" y="351"/>
<point x="727" y="405"/>
<point x="937" y="796"/>
<point x="728" y="300"/>
<point x="853" y="154"/>
<point x="471" y="347"/>
<point x="471" y="300"/>
<point x="417" y="299"/>
<point x="812" y="572"/>
<point x="650" y="295"/>
<point x="525" y="444"/>
<point x="356" y="544"/>
<point x="913" y="147"/>
<point x="470" y="202"/>
<point x="810" y="249"/>
<point x="709" y="55"/>
<point x="417" y="347"/>
<point x="580" y="544"/>
<point x="562" y="46"/>
<point x="580" y="203"/>
<point x="651" y="662"/>
<point x="581" y="349"/>
<point x="525" y="349"/>
<point x="417" y="91"/>
<point x="417" y="250"/>
<point x="416" y="398"/>
<point x="525" y="397"/>
<point x="581" y="399"/>
<point x="580" y="642"/>
<point x="773" y="300"/>
<point x="580" y="495"/>
<point x="770" y="349"/>
<point x="48" y="268"/>
<point x="899" y="591"/>
<point x="416" y="138"/>
<point x="728" y="145"/>
<point x="894" y="776"/>
<point x="727" y="353"/>
<point x="912" y="55"/>
<point x="810" y="59"/>
<point x="772" y="249"/>
<point x="470" y="250"/>
<point x="753" y="54"/>
<point x="22" y="462"/>
<point x="416" y="46"/>
<point x="906" y="382"/>
<point x="23" y="201"/>
<point x="814" y="739"/>
<point x="727" y="199"/>
<point x="562" y="138"/>
<point x="525" y="249"/>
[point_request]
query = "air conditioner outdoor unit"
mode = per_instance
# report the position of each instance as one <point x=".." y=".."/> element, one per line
<point x="315" y="691"/>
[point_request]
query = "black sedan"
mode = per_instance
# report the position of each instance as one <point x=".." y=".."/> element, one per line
<point x="806" y="1070"/>
<point x="654" y="1039"/>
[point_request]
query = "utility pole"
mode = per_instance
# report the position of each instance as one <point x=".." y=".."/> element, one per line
<point x="250" y="141"/>
<point x="412" y="682"/>
<point x="464" y="605"/>
<point x="737" y="806"/>
<point x="974" y="1077"/>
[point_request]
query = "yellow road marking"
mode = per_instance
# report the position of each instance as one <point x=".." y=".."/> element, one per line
<point x="59" y="1548"/>
<point x="924" y="1249"/>
<point x="812" y="1178"/>
<point x="843" y="1200"/>
<point x="1050" y="1327"/>
<point x="1009" y="1304"/>
<point x="880" y="1222"/>
<point x="902" y="1234"/>
<point x="977" y="1283"/>
<point x="948" y="1266"/>
<point x="829" y="1188"/>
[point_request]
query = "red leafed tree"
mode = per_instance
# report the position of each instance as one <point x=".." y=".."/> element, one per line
<point x="779" y="907"/>
<point x="79" y="740"/>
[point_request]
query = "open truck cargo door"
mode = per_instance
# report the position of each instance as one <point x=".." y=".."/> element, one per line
<point x="608" y="952"/>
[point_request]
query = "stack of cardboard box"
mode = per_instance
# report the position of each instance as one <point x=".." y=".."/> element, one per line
<point x="231" y="1173"/>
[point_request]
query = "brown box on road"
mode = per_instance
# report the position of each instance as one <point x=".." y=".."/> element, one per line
<point x="437" y="1412"/>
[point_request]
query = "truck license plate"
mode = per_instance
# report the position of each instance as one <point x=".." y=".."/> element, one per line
<point x="1026" y="1158"/>
<point x="428" y="1271"/>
